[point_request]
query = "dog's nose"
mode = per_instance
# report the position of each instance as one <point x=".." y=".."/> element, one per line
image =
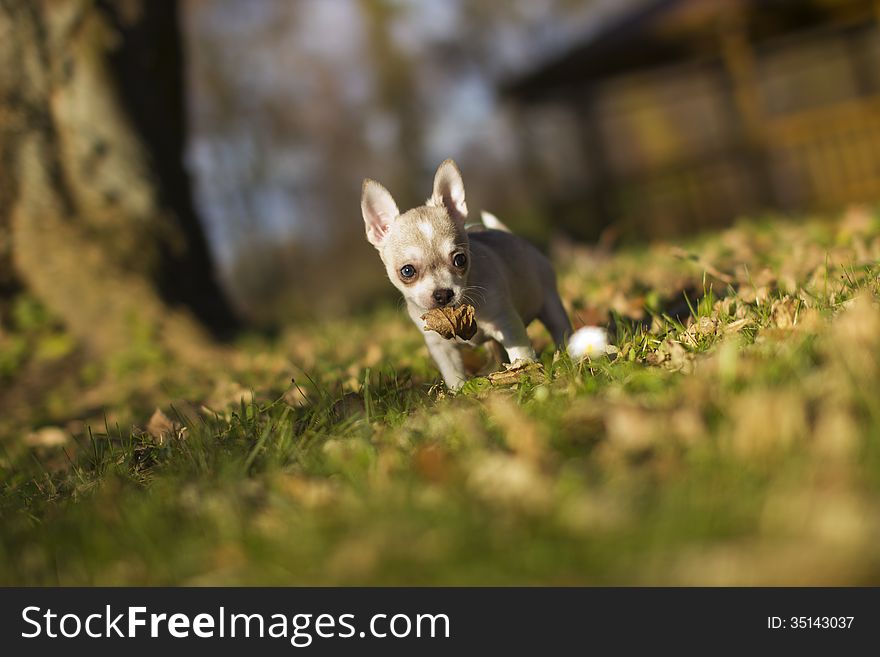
<point x="443" y="296"/>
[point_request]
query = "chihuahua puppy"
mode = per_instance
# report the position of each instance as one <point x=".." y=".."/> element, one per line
<point x="436" y="260"/>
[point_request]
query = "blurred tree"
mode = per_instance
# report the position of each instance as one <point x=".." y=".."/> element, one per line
<point x="396" y="92"/>
<point x="96" y="217"/>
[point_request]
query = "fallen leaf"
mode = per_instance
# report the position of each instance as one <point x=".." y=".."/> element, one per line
<point x="707" y="326"/>
<point x="673" y="356"/>
<point x="737" y="326"/>
<point x="634" y="431"/>
<point x="229" y="393"/>
<point x="765" y="421"/>
<point x="161" y="427"/>
<point x="515" y="372"/>
<point x="47" y="437"/>
<point x="432" y="462"/>
<point x="452" y="322"/>
<point x="524" y="436"/>
<point x="509" y="481"/>
<point x="784" y="312"/>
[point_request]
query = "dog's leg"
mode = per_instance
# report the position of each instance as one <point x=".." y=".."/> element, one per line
<point x="448" y="359"/>
<point x="511" y="333"/>
<point x="554" y="317"/>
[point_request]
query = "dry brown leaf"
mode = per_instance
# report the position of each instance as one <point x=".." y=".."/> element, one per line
<point x="452" y="322"/>
<point x="673" y="356"/>
<point x="765" y="421"/>
<point x="784" y="312"/>
<point x="432" y="462"/>
<point x="228" y="393"/>
<point x="513" y="373"/>
<point x="524" y="436"/>
<point x="161" y="427"/>
<point x="509" y="481"/>
<point x="47" y="437"/>
<point x="737" y="325"/>
<point x="634" y="431"/>
<point x="707" y="326"/>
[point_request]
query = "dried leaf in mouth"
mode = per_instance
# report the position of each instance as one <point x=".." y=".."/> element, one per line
<point x="452" y="322"/>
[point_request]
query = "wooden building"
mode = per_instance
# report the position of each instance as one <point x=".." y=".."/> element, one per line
<point x="689" y="113"/>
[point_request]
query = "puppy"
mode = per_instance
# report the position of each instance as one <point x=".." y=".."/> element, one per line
<point x="435" y="260"/>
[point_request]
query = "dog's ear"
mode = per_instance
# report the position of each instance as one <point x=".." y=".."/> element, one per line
<point x="379" y="210"/>
<point x="449" y="191"/>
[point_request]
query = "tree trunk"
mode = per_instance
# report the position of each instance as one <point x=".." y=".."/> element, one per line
<point x="96" y="217"/>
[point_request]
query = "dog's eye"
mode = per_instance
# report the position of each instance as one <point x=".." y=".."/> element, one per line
<point x="407" y="271"/>
<point x="459" y="260"/>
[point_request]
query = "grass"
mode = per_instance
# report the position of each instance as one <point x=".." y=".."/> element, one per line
<point x="731" y="437"/>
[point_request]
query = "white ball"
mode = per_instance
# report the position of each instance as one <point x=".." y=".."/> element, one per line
<point x="587" y="342"/>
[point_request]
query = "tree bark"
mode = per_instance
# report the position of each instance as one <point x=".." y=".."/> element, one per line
<point x="96" y="216"/>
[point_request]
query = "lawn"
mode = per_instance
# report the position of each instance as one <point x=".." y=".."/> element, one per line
<point x="731" y="436"/>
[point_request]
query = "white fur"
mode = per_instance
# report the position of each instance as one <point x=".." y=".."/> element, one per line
<point x="493" y="222"/>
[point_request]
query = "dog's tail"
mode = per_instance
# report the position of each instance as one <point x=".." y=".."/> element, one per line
<point x="492" y="222"/>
